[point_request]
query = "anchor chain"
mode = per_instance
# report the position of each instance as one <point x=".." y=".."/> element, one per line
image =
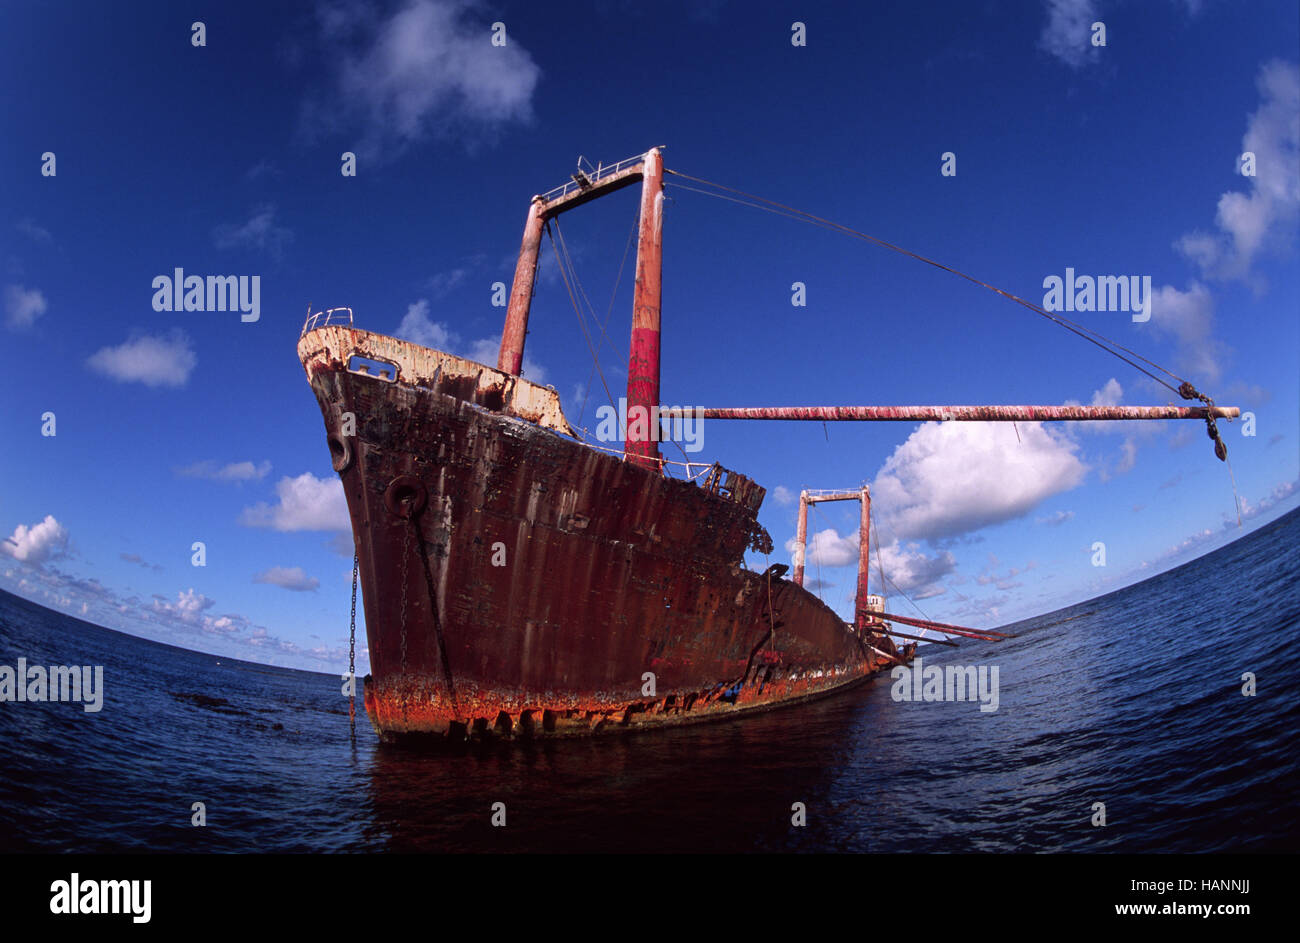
<point x="406" y="556"/>
<point x="352" y="653"/>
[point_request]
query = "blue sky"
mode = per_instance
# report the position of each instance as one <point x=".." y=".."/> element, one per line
<point x="176" y="427"/>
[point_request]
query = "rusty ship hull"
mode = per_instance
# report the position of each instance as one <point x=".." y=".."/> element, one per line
<point x="520" y="582"/>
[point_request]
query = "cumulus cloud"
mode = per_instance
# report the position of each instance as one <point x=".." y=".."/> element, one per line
<point x="288" y="577"/>
<point x="907" y="567"/>
<point x="152" y="360"/>
<point x="23" y="306"/>
<point x="1245" y="222"/>
<point x="42" y="541"/>
<point x="427" y="69"/>
<point x="188" y="607"/>
<point x="783" y="495"/>
<point x="189" y="613"/>
<point x="233" y="471"/>
<point x="418" y="328"/>
<point x="953" y="478"/>
<point x="1067" y="35"/>
<point x="1188" y="318"/>
<point x="304" y="503"/>
<point x="1111" y="394"/>
<point x="910" y="570"/>
<point x="828" y="548"/>
<point x="258" y="232"/>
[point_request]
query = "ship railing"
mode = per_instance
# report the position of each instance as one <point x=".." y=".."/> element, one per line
<point x="584" y="179"/>
<point x="323" y="318"/>
<point x="689" y="471"/>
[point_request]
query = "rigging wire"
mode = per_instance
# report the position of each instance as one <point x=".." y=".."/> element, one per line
<point x="569" y="270"/>
<point x="820" y="583"/>
<point x="578" y="311"/>
<point x="573" y="270"/>
<point x="780" y="209"/>
<point x="885" y="579"/>
<point x="618" y="280"/>
<point x="880" y="566"/>
<point x="1184" y="389"/>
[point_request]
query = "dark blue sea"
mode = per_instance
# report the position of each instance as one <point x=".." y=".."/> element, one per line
<point x="1133" y="700"/>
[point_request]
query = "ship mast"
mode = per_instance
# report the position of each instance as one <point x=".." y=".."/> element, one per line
<point x="643" y="358"/>
<point x="861" y="609"/>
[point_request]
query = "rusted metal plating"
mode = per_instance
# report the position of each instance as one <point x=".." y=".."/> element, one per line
<point x="332" y="348"/>
<point x="545" y="578"/>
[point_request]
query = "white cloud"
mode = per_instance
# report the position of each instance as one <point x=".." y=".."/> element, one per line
<point x="1246" y="221"/>
<point x="188" y="608"/>
<point x="1109" y="395"/>
<point x="234" y="471"/>
<point x="1112" y="394"/>
<point x="911" y="571"/>
<point x="290" y="577"/>
<point x="953" y="478"/>
<point x="1055" y="520"/>
<point x="259" y="232"/>
<point x="1188" y="317"/>
<point x="429" y="68"/>
<point x="153" y="361"/>
<point x="783" y="495"/>
<point x="828" y="548"/>
<point x="907" y="568"/>
<point x="38" y="543"/>
<point x="418" y="328"/>
<point x="189" y="612"/>
<point x="305" y="503"/>
<point x="1068" y="33"/>
<point x="23" y="306"/>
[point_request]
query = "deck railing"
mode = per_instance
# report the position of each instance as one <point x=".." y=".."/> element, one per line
<point x="328" y="316"/>
<point x="589" y="178"/>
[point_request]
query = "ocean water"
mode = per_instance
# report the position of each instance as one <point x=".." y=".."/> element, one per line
<point x="1133" y="700"/>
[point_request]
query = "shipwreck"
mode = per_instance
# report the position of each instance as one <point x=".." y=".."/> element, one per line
<point x="520" y="580"/>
